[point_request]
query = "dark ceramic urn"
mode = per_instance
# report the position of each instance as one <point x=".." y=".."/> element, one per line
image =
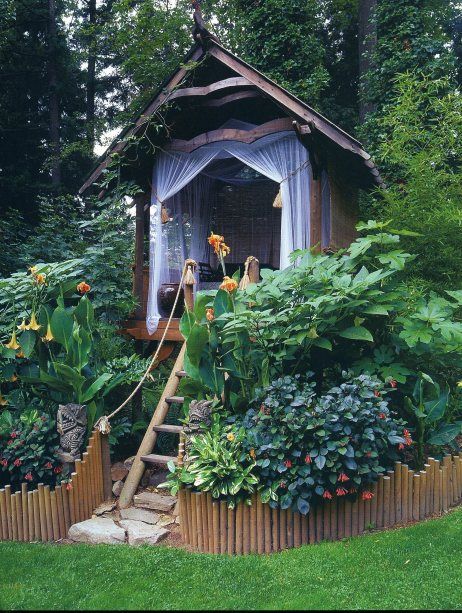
<point x="166" y="298"/>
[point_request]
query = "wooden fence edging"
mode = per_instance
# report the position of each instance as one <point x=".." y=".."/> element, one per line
<point x="45" y="515"/>
<point x="401" y="496"/>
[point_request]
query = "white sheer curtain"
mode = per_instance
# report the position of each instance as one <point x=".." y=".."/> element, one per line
<point x="171" y="173"/>
<point x="279" y="157"/>
<point x="325" y="206"/>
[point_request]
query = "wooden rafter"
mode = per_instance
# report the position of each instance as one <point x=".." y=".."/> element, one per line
<point x="210" y="89"/>
<point x="223" y="134"/>
<point x="242" y="95"/>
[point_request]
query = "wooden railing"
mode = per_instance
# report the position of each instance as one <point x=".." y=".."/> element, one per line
<point x="46" y="515"/>
<point x="401" y="496"/>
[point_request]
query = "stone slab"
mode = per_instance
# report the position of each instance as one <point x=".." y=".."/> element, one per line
<point x="155" y="502"/>
<point x="140" y="533"/>
<point x="97" y="531"/>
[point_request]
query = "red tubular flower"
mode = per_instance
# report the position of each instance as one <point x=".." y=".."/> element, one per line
<point x="10" y="442"/>
<point x="48" y="465"/>
<point x="4" y="462"/>
<point x="308" y="459"/>
<point x="282" y="485"/>
<point x="341" y="491"/>
<point x="327" y="495"/>
<point x="401" y="446"/>
<point x="57" y="470"/>
<point x="287" y="463"/>
<point x="17" y="462"/>
<point x="393" y="383"/>
<point x="28" y="476"/>
<point x="342" y="478"/>
<point x="366" y="495"/>
<point x="377" y="393"/>
<point x="382" y="415"/>
<point x="13" y="435"/>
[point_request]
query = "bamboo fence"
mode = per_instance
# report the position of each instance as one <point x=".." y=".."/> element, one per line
<point x="400" y="497"/>
<point x="46" y="515"/>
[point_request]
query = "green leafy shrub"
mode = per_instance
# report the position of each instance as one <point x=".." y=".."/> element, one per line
<point x="28" y="445"/>
<point x="217" y="465"/>
<point x="308" y="448"/>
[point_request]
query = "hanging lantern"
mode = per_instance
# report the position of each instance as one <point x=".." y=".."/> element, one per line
<point x="277" y="204"/>
<point x="164" y="216"/>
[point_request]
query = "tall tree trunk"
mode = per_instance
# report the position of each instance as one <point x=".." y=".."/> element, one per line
<point x="91" y="74"/>
<point x="367" y="40"/>
<point x="53" y="95"/>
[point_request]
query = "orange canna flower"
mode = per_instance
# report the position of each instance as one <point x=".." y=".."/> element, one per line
<point x="13" y="344"/>
<point x="48" y="336"/>
<point x="209" y="314"/>
<point x="40" y="279"/>
<point x="32" y="270"/>
<point x="83" y="288"/>
<point x="252" y="454"/>
<point x="20" y="354"/>
<point x="230" y="437"/>
<point x="216" y="240"/>
<point x="14" y="378"/>
<point x="224" y="250"/>
<point x="229" y="285"/>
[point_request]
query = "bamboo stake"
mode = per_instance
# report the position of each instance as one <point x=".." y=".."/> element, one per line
<point x="239" y="518"/>
<point x="354" y="518"/>
<point x="326" y="520"/>
<point x="79" y="492"/>
<point x="48" y="518"/>
<point x="67" y="502"/>
<point x="200" y="525"/>
<point x="275" y="529"/>
<point x="319" y="525"/>
<point x="216" y="526"/>
<point x="42" y="513"/>
<point x="182" y="510"/>
<point x="60" y="510"/>
<point x="205" y="527"/>
<point x="361" y="513"/>
<point x="14" y="524"/>
<point x="194" y="530"/>
<point x="312" y="526"/>
<point x="25" y="513"/>
<point x="305" y="532"/>
<point x="404" y="493"/>
<point x="37" y="525"/>
<point x="422" y="494"/>
<point x="76" y="496"/>
<point x="19" y="516"/>
<point x="341" y="519"/>
<point x="30" y="517"/>
<point x="455" y="496"/>
<point x="282" y="529"/>
<point x="267" y="524"/>
<point x="223" y="526"/>
<point x="185" y="514"/>
<point x="444" y="489"/>
<point x="290" y="528"/>
<point x="368" y="512"/>
<point x="386" y="501"/>
<point x="333" y="520"/>
<point x="397" y="494"/>
<point x="54" y="517"/>
<point x="8" y="511"/>
<point x="253" y="524"/>
<point x="260" y="526"/>
<point x="86" y="481"/>
<point x="416" y="497"/>
<point x="348" y="511"/>
<point x="431" y="483"/>
<point x="427" y="469"/>
<point x="410" y="491"/>
<point x="379" y="517"/>
<point x="231" y="531"/>
<point x="297" y="530"/>
<point x="392" y="518"/>
<point x="3" y="516"/>
<point x="373" y="516"/>
<point x="447" y="462"/>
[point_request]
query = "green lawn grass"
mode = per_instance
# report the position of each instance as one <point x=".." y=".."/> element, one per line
<point x="412" y="568"/>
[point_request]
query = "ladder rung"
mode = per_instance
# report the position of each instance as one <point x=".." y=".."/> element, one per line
<point x="153" y="458"/>
<point x="174" y="400"/>
<point x="180" y="373"/>
<point x="168" y="428"/>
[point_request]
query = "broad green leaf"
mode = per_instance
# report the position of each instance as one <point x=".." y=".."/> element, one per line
<point x="88" y="393"/>
<point x="445" y="434"/>
<point x="84" y="313"/>
<point x="27" y="342"/>
<point x="61" y="326"/>
<point x="196" y="342"/>
<point x="357" y="333"/>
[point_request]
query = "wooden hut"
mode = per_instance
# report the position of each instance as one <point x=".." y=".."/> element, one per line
<point x="235" y="153"/>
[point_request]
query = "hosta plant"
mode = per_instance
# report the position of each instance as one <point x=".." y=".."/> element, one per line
<point x="310" y="448"/>
<point x="216" y="464"/>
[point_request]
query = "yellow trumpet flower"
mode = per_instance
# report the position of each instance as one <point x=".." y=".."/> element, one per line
<point x="33" y="323"/>
<point x="48" y="336"/>
<point x="3" y="401"/>
<point x="13" y="344"/>
<point x="23" y="325"/>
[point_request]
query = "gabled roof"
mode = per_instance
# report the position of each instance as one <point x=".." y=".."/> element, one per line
<point x="315" y="130"/>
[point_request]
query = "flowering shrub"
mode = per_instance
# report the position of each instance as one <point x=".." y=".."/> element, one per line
<point x="309" y="448"/>
<point x="28" y="445"/>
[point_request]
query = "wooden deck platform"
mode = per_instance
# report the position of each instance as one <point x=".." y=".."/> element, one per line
<point x="137" y="329"/>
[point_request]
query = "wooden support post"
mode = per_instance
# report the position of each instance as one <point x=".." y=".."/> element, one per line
<point x="254" y="271"/>
<point x="106" y="466"/>
<point x="315" y="212"/>
<point x="149" y="440"/>
<point x="140" y="201"/>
